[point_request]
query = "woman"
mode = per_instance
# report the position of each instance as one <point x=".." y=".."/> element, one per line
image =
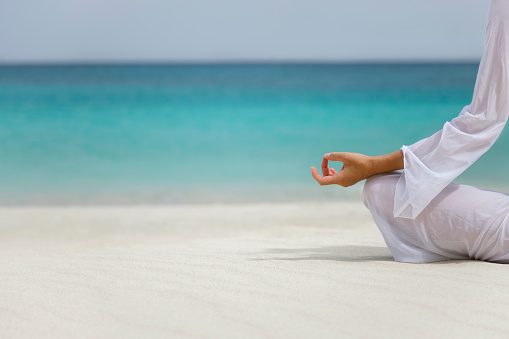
<point x="421" y="214"/>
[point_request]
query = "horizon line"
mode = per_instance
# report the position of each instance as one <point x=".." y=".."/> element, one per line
<point x="235" y="62"/>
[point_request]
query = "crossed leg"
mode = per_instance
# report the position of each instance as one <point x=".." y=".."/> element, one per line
<point x="462" y="222"/>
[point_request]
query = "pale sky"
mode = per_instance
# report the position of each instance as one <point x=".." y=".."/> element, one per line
<point x="36" y="31"/>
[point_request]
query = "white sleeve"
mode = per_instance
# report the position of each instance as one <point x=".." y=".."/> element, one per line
<point x="432" y="163"/>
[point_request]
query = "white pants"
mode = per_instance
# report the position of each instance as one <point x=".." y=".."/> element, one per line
<point x="461" y="222"/>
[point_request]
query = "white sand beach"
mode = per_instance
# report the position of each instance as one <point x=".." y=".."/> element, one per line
<point x="308" y="270"/>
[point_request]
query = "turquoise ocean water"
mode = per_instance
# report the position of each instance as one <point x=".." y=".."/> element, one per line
<point x="216" y="133"/>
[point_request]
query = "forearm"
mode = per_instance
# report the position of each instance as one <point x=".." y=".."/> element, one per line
<point x="387" y="162"/>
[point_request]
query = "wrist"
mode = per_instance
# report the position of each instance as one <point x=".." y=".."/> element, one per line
<point x="373" y="165"/>
<point x="387" y="162"/>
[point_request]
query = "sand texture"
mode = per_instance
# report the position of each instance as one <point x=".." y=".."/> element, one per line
<point x="309" y="270"/>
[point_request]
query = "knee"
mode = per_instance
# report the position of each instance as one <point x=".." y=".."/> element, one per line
<point x="377" y="189"/>
<point x="371" y="187"/>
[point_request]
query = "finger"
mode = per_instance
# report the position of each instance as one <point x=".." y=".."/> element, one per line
<point x="333" y="171"/>
<point x="325" y="167"/>
<point x="337" y="156"/>
<point x="322" y="181"/>
<point x="314" y="173"/>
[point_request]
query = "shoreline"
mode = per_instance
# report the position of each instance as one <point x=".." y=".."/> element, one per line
<point x="308" y="194"/>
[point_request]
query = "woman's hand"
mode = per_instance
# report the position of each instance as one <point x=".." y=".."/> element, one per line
<point x="356" y="167"/>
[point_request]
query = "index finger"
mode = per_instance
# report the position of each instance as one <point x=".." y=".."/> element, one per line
<point x="325" y="167"/>
<point x="337" y="156"/>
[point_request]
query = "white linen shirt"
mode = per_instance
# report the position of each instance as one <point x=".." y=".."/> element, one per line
<point x="432" y="163"/>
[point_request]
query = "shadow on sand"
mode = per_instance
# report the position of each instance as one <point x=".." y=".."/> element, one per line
<point x="351" y="253"/>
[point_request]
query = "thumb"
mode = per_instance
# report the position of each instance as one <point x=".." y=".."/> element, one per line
<point x="337" y="156"/>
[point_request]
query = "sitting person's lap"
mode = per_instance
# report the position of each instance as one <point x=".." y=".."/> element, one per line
<point x="461" y="222"/>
